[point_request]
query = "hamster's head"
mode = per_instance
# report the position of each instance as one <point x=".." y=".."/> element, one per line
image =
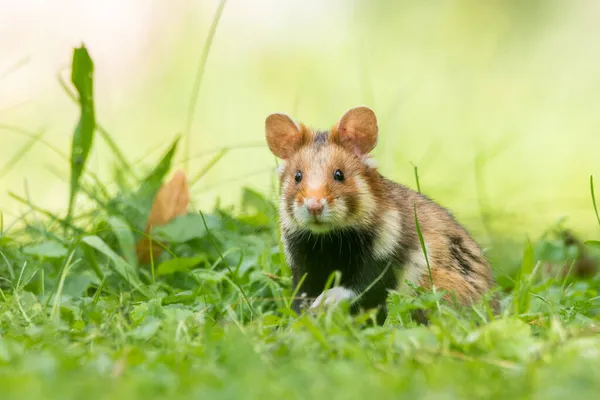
<point x="327" y="177"/>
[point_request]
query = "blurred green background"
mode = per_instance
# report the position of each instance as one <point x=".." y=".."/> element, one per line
<point x="497" y="102"/>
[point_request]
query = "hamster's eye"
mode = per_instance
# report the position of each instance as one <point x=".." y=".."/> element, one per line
<point x="338" y="175"/>
<point x="298" y="176"/>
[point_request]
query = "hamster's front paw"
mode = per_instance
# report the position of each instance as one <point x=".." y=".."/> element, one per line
<point x="333" y="297"/>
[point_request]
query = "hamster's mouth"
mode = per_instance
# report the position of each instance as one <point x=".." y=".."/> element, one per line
<point x="318" y="225"/>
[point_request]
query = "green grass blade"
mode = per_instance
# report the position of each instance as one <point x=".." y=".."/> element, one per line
<point x="126" y="270"/>
<point x="101" y="131"/>
<point x="417" y="178"/>
<point x="594" y="198"/>
<point x="32" y="135"/>
<point x="213" y="161"/>
<point x="53" y="217"/>
<point x="222" y="257"/>
<point x="15" y="67"/>
<point x="19" y="154"/>
<point x="422" y="241"/>
<point x="82" y="77"/>
<point x="125" y="238"/>
<point x="522" y="296"/>
<point x="152" y="182"/>
<point x="198" y="81"/>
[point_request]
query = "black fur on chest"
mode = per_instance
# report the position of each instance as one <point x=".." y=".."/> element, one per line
<point x="349" y="252"/>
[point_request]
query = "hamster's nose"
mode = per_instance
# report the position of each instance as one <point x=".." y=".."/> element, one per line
<point x="314" y="206"/>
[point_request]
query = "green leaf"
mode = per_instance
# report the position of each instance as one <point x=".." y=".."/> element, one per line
<point x="252" y="199"/>
<point x="152" y="182"/>
<point x="120" y="265"/>
<point x="49" y="249"/>
<point x="207" y="275"/>
<point x="522" y="297"/>
<point x="179" y="264"/>
<point x="593" y="243"/>
<point x="82" y="72"/>
<point x="125" y="238"/>
<point x="145" y="331"/>
<point x="185" y="228"/>
<point x="509" y="339"/>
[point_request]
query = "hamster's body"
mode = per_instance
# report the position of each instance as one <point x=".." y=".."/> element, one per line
<point x="338" y="213"/>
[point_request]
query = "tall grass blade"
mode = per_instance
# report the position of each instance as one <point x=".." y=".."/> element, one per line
<point x="198" y="82"/>
<point x="522" y="296"/>
<point x="19" y="154"/>
<point x="82" y="77"/>
<point x="101" y="131"/>
<point x="594" y="198"/>
<point x="213" y="161"/>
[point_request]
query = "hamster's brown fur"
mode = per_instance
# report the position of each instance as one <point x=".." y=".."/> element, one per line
<point x="337" y="212"/>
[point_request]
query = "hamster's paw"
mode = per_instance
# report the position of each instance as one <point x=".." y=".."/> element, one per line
<point x="333" y="297"/>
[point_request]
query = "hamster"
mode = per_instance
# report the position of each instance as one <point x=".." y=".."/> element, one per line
<point x="338" y="213"/>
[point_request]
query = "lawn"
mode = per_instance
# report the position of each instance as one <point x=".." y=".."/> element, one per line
<point x="93" y="307"/>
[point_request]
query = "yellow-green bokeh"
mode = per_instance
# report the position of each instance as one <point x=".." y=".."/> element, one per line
<point x="507" y="89"/>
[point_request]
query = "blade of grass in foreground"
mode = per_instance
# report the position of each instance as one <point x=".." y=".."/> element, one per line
<point x="198" y="81"/>
<point x="82" y="77"/>
<point x="127" y="271"/>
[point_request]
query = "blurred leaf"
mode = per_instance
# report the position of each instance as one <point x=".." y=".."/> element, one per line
<point x="125" y="238"/>
<point x="185" y="228"/>
<point x="508" y="338"/>
<point x="522" y="297"/>
<point x="77" y="284"/>
<point x="49" y="249"/>
<point x="82" y="77"/>
<point x="121" y="266"/>
<point x="146" y="330"/>
<point x="179" y="264"/>
<point x="593" y="243"/>
<point x="208" y="275"/>
<point x="171" y="201"/>
<point x="265" y="211"/>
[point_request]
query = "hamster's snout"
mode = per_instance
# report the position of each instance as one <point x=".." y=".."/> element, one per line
<point x="314" y="205"/>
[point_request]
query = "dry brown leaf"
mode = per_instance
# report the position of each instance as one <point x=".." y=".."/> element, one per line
<point x="171" y="201"/>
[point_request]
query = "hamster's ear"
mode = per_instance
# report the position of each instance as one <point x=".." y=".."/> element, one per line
<point x="357" y="130"/>
<point x="284" y="135"/>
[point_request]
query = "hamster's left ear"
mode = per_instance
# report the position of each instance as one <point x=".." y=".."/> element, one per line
<point x="357" y="130"/>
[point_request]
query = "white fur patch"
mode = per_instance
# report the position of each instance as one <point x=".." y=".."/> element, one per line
<point x="333" y="297"/>
<point x="367" y="202"/>
<point x="369" y="162"/>
<point x="281" y="168"/>
<point x="416" y="267"/>
<point x="388" y="234"/>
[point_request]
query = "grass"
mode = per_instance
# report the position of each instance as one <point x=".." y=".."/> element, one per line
<point x="210" y="317"/>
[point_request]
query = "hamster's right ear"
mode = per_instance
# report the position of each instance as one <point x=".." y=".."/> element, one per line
<point x="284" y="135"/>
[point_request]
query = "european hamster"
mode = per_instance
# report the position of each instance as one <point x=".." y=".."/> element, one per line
<point x="338" y="213"/>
